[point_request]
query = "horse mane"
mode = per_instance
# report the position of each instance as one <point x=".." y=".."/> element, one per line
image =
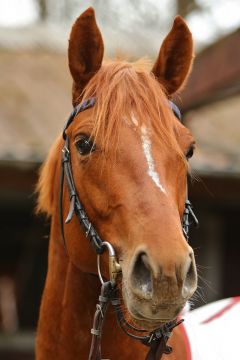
<point x="123" y="91"/>
<point x="46" y="182"/>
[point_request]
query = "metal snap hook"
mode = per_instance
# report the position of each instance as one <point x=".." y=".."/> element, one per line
<point x="114" y="266"/>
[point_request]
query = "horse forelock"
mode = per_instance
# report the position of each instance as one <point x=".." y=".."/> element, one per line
<point x="129" y="92"/>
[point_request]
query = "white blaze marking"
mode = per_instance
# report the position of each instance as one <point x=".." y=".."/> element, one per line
<point x="134" y="120"/>
<point x="146" y="144"/>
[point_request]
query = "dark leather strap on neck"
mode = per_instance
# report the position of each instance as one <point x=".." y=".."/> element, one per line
<point x="159" y="347"/>
<point x="99" y="317"/>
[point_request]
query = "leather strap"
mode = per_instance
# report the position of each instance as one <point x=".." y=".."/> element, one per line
<point x="158" y="348"/>
<point x="75" y="203"/>
<point x="99" y="317"/>
<point x="156" y="340"/>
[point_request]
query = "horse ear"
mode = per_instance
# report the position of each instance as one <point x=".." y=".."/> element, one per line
<point x="175" y="57"/>
<point x="85" y="51"/>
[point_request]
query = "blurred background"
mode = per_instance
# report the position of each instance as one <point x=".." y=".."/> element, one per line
<point x="35" y="89"/>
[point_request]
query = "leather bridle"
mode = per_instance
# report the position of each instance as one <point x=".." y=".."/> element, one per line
<point x="155" y="340"/>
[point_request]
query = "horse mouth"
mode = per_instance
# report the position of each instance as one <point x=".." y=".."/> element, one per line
<point x="149" y="317"/>
<point x="150" y="323"/>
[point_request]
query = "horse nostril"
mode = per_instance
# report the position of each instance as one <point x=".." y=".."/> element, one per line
<point x="141" y="275"/>
<point x="190" y="281"/>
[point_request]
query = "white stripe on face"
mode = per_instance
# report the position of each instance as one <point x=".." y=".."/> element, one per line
<point x="146" y="144"/>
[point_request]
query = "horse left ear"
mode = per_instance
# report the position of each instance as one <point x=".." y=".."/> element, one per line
<point x="85" y="51"/>
<point x="175" y="57"/>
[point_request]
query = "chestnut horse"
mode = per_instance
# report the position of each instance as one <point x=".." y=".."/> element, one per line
<point x="129" y="164"/>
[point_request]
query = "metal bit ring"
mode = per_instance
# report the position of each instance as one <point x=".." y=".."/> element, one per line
<point x="114" y="266"/>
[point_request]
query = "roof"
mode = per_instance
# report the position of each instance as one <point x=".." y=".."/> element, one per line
<point x="211" y="103"/>
<point x="35" y="89"/>
<point x="215" y="74"/>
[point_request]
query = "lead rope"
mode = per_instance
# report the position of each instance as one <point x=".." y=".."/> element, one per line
<point x="99" y="316"/>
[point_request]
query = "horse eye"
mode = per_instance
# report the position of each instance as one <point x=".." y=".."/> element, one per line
<point x="190" y="152"/>
<point x="85" y="145"/>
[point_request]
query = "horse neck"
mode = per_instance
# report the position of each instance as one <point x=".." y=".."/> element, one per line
<point x="68" y="305"/>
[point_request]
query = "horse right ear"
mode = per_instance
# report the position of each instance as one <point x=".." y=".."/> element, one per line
<point x="85" y="52"/>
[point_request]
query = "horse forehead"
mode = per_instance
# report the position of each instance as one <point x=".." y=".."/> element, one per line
<point x="139" y="147"/>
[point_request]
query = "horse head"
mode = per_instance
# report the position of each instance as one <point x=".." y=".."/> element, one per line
<point x="129" y="162"/>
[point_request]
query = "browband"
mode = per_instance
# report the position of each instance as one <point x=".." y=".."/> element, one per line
<point x="176" y="110"/>
<point x="86" y="104"/>
<point x="89" y="103"/>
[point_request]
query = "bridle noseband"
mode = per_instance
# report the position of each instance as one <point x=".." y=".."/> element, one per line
<point x="157" y="339"/>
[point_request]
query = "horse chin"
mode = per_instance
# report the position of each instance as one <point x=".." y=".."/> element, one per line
<point x="145" y="323"/>
<point x="146" y="316"/>
<point x="150" y="323"/>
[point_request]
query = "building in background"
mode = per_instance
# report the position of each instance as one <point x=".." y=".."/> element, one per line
<point x="35" y="93"/>
<point x="211" y="104"/>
